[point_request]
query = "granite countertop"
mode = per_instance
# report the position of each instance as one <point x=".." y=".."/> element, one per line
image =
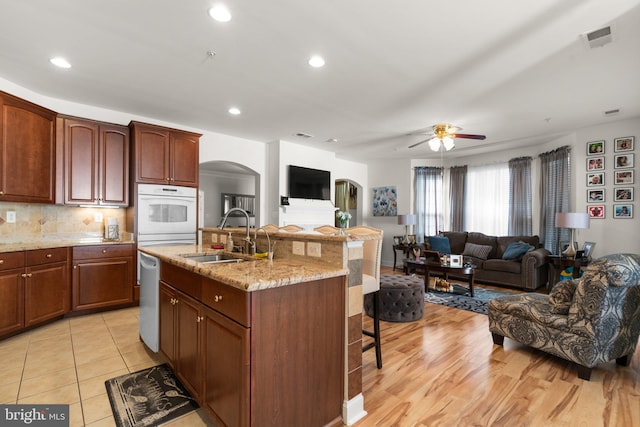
<point x="58" y="241"/>
<point x="253" y="274"/>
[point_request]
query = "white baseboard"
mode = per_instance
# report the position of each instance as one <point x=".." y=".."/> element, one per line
<point x="353" y="410"/>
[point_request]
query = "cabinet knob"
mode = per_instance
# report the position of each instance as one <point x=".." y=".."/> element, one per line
<point x="23" y="275"/>
<point x="104" y="251"/>
<point x="29" y="274"/>
<point x="199" y="319"/>
<point x="1" y="261"/>
<point x="174" y="301"/>
<point x="1" y="193"/>
<point x="75" y="267"/>
<point x="49" y="255"/>
<point x="217" y="298"/>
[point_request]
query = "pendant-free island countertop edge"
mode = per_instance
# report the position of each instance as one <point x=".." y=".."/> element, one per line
<point x="252" y="274"/>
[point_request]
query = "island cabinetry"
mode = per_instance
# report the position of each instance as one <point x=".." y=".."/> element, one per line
<point x="27" y="151"/>
<point x="268" y="357"/>
<point x="96" y="162"/>
<point x="34" y="288"/>
<point x="102" y="276"/>
<point x="165" y="156"/>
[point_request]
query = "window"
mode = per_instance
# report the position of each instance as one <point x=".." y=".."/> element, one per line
<point x="487" y="199"/>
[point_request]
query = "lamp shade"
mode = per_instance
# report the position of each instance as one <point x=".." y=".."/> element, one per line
<point x="408" y="219"/>
<point x="572" y="220"/>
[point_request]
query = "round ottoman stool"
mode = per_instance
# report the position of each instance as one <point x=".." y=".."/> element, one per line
<point x="401" y="298"/>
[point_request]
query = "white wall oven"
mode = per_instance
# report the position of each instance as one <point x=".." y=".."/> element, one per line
<point x="166" y="214"/>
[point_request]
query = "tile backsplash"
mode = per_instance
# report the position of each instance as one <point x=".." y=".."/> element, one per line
<point x="40" y="220"/>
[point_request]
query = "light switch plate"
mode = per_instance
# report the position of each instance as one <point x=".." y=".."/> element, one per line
<point x="298" y="248"/>
<point x="314" y="249"/>
<point x="11" y="216"/>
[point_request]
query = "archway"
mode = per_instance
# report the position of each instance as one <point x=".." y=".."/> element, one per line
<point x="226" y="184"/>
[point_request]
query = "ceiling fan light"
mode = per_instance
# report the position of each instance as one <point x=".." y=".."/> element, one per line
<point x="434" y="144"/>
<point x="448" y="143"/>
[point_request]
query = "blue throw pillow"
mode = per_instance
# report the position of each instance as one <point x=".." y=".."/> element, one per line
<point x="440" y="244"/>
<point x="516" y="250"/>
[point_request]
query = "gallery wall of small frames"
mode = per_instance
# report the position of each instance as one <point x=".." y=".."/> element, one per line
<point x="617" y="196"/>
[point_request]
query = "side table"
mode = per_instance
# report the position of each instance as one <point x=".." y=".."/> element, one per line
<point x="558" y="263"/>
<point x="406" y="249"/>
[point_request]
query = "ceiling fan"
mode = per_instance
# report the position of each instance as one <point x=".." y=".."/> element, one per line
<point x="443" y="135"/>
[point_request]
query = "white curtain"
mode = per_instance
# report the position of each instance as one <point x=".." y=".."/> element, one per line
<point x="429" y="202"/>
<point x="487" y="199"/>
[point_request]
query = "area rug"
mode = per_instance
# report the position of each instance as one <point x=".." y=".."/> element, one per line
<point x="461" y="299"/>
<point x="148" y="398"/>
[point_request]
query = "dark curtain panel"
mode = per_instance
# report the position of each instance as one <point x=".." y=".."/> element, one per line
<point x="554" y="196"/>
<point x="457" y="194"/>
<point x="428" y="201"/>
<point x="520" y="218"/>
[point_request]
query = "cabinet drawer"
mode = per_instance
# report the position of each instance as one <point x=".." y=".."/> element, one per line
<point x="45" y="256"/>
<point x="100" y="251"/>
<point x="9" y="260"/>
<point x="188" y="282"/>
<point x="227" y="300"/>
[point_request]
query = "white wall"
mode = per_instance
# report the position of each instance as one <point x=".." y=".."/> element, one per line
<point x="213" y="184"/>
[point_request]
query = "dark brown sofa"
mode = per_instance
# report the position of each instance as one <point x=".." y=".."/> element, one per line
<point x="529" y="273"/>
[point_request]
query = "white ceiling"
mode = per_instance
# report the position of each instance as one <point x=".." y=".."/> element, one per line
<point x="518" y="72"/>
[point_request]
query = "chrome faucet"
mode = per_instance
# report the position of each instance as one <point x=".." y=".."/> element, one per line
<point x="249" y="246"/>
<point x="255" y="237"/>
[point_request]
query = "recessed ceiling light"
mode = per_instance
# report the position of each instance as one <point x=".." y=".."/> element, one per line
<point x="234" y="110"/>
<point x="316" y="61"/>
<point x="220" y="13"/>
<point x="60" y="62"/>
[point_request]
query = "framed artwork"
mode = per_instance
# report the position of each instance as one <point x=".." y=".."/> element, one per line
<point x="623" y="161"/>
<point x="623" y="177"/>
<point x="595" y="148"/>
<point x="623" y="211"/>
<point x="595" y="163"/>
<point x="588" y="249"/>
<point x="596" y="211"/>
<point x="595" y="179"/>
<point x="385" y="201"/>
<point x="623" y="144"/>
<point x="455" y="261"/>
<point x="595" y="196"/>
<point x="623" y="194"/>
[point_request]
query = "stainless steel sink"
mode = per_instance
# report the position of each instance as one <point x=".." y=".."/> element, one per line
<point x="212" y="258"/>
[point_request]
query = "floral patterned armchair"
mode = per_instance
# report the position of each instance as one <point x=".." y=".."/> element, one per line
<point x="588" y="321"/>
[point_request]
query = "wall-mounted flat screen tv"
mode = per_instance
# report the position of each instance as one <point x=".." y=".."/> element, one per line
<point x="306" y="183"/>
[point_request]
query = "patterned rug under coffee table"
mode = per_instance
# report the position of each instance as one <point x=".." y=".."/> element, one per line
<point x="148" y="398"/>
<point x="459" y="297"/>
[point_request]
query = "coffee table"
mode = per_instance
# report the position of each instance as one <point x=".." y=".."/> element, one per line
<point x="447" y="270"/>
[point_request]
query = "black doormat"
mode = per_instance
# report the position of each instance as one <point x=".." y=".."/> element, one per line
<point x="148" y="398"/>
<point x="461" y="299"/>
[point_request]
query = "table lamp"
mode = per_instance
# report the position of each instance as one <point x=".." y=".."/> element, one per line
<point x="571" y="220"/>
<point x="406" y="220"/>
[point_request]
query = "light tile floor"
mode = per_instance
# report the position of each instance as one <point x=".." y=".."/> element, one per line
<point x="68" y="361"/>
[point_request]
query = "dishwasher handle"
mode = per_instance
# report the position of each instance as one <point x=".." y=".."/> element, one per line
<point x="147" y="261"/>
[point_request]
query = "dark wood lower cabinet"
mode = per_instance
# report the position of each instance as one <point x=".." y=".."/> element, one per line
<point x="46" y="292"/>
<point x="266" y="358"/>
<point x="11" y="301"/>
<point x="103" y="276"/>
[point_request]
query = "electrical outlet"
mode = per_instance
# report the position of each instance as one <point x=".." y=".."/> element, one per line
<point x="314" y="249"/>
<point x="11" y="216"/>
<point x="98" y="217"/>
<point x="298" y="248"/>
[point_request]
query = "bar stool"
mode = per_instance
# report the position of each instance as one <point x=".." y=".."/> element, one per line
<point x="372" y="251"/>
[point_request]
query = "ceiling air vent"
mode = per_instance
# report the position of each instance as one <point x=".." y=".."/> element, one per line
<point x="598" y="38"/>
<point x="303" y="135"/>
<point x="614" y="112"/>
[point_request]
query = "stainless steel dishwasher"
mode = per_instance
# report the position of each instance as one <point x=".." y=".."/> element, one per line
<point x="149" y="268"/>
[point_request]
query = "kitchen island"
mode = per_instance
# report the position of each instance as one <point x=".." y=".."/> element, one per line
<point x="256" y="342"/>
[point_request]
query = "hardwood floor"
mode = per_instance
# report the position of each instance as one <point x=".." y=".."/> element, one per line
<point x="445" y="371"/>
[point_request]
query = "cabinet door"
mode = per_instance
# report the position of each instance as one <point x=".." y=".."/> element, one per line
<point x="81" y="156"/>
<point x="11" y="301"/>
<point x="114" y="165"/>
<point x="46" y="292"/>
<point x="152" y="154"/>
<point x="184" y="159"/>
<point x="27" y="151"/>
<point x="99" y="283"/>
<point x="225" y="347"/>
<point x="189" y="361"/>
<point x="167" y="315"/>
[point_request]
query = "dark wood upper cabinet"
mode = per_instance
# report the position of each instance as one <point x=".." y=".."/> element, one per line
<point x="165" y="156"/>
<point x="96" y="162"/>
<point x="27" y="151"/>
